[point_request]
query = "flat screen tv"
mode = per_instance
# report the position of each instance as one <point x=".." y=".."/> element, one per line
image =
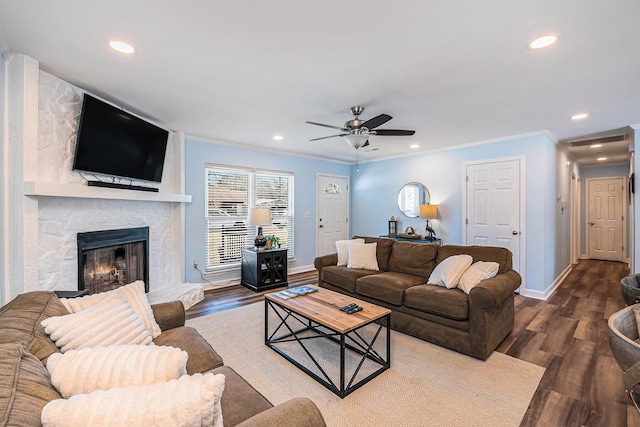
<point x="113" y="142"/>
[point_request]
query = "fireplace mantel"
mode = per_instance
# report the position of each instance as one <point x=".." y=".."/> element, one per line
<point x="48" y="189"/>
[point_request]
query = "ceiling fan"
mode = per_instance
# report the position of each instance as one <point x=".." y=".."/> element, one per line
<point x="356" y="132"/>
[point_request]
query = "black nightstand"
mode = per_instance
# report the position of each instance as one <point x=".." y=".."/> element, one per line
<point x="264" y="269"/>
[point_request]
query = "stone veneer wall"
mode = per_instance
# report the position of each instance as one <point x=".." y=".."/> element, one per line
<point x="61" y="218"/>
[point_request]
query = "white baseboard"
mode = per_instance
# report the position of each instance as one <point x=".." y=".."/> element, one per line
<point x="544" y="295"/>
<point x="236" y="280"/>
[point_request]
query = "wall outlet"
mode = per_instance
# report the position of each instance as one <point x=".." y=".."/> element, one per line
<point x="195" y="263"/>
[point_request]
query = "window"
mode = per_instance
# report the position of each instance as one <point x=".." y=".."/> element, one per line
<point x="230" y="192"/>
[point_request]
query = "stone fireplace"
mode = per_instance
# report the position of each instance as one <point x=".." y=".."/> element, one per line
<point x="109" y="259"/>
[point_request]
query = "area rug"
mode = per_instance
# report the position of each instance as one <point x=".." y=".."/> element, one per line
<point x="427" y="385"/>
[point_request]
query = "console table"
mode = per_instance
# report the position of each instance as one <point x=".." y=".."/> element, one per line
<point x="416" y="240"/>
<point x="264" y="269"/>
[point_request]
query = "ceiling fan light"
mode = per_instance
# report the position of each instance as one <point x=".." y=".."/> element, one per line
<point x="356" y="140"/>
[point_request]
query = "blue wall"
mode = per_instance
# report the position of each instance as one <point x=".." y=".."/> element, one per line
<point x="375" y="189"/>
<point x="305" y="169"/>
<point x="598" y="172"/>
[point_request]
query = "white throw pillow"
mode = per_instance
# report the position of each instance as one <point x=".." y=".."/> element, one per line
<point x="102" y="368"/>
<point x="133" y="293"/>
<point x="449" y="271"/>
<point x="342" y="247"/>
<point x="363" y="255"/>
<point x="111" y="321"/>
<point x="191" y="400"/>
<point x="478" y="272"/>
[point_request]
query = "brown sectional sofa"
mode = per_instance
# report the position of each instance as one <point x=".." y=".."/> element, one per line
<point x="25" y="386"/>
<point x="473" y="324"/>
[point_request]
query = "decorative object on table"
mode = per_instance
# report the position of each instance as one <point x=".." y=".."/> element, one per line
<point x="273" y="241"/>
<point x="410" y="233"/>
<point x="429" y="212"/>
<point x="393" y="227"/>
<point x="259" y="217"/>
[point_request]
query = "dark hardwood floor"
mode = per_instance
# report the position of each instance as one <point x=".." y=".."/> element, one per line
<point x="567" y="334"/>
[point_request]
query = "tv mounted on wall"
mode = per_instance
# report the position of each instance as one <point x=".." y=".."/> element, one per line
<point x="113" y="142"/>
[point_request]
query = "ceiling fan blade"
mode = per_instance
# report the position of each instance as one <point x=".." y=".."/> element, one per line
<point x="325" y="137"/>
<point x="394" y="132"/>
<point x="328" y="126"/>
<point x="376" y="121"/>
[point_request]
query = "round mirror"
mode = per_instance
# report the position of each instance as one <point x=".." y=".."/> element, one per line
<point x="410" y="197"/>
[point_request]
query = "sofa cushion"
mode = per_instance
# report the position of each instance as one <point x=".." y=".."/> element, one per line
<point x="478" y="272"/>
<point x="343" y="277"/>
<point x="101" y="368"/>
<point x="479" y="253"/>
<point x="451" y="303"/>
<point x="25" y="386"/>
<point x="111" y="321"/>
<point x="342" y="248"/>
<point x="202" y="357"/>
<point x="449" y="271"/>
<point x="240" y="401"/>
<point x="21" y="317"/>
<point x="388" y="286"/>
<point x="417" y="259"/>
<point x="363" y="256"/>
<point x="133" y="293"/>
<point x="191" y="400"/>
<point x="383" y="250"/>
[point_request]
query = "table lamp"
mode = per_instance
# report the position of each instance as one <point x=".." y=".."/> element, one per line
<point x="259" y="217"/>
<point x="429" y="212"/>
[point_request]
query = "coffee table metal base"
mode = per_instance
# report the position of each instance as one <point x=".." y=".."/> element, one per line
<point x="352" y="341"/>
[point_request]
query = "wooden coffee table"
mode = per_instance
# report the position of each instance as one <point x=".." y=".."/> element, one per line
<point x="317" y="316"/>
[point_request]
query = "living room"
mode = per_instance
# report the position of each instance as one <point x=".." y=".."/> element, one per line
<point x="45" y="203"/>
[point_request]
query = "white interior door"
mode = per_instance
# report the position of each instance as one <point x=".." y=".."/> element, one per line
<point x="493" y="206"/>
<point x="605" y="228"/>
<point x="333" y="212"/>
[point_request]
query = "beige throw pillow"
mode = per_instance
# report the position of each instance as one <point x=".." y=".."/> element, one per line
<point x="188" y="401"/>
<point x="363" y="255"/>
<point x="111" y="321"/>
<point x="478" y="272"/>
<point x="342" y="247"/>
<point x="133" y="293"/>
<point x="102" y="368"/>
<point x="449" y="271"/>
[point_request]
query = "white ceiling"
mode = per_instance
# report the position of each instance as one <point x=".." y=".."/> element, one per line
<point x="456" y="72"/>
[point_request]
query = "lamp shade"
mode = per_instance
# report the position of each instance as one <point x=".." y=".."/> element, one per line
<point x="429" y="211"/>
<point x="259" y="216"/>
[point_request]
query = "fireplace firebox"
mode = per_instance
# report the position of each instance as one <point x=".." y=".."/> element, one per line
<point x="109" y="259"/>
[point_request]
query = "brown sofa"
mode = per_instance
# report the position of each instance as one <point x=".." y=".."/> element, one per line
<point x="25" y="386"/>
<point x="473" y="324"/>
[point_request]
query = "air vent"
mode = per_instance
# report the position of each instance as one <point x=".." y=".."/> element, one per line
<point x="604" y="140"/>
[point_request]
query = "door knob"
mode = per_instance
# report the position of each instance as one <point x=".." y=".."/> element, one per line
<point x="515" y="233"/>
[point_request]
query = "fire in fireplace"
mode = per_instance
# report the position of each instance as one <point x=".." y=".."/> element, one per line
<point x="109" y="259"/>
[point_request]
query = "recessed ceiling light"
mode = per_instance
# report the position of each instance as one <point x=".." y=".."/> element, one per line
<point x="414" y="146"/>
<point x="601" y="159"/>
<point x="580" y="116"/>
<point x="121" y="47"/>
<point x="542" y="42"/>
<point x="278" y="137"/>
<point x="596" y="146"/>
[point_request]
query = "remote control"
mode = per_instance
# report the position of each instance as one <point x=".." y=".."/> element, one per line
<point x="348" y="307"/>
<point x="353" y="310"/>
